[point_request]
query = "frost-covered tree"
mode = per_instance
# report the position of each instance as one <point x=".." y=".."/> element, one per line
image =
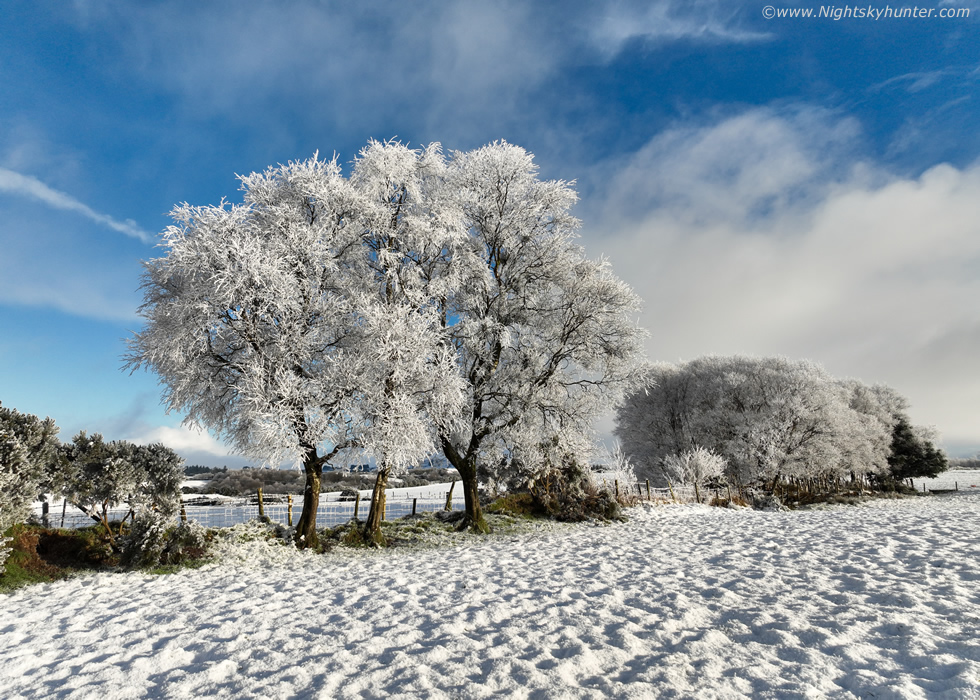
<point x="102" y="475"/>
<point x="17" y="488"/>
<point x="422" y="303"/>
<point x="544" y="337"/>
<point x="39" y="439"/>
<point x="28" y="466"/>
<point x="768" y="417"/>
<point x="408" y="222"/>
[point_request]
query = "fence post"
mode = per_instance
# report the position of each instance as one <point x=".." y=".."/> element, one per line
<point x="357" y="503"/>
<point x="44" y="513"/>
<point x="729" y="487"/>
<point x="697" y="493"/>
<point x="616" y="483"/>
<point x="449" y="496"/>
<point x="648" y="490"/>
<point x="183" y="513"/>
<point x="261" y="506"/>
<point x="289" y="510"/>
<point x="64" y="507"/>
<point x="671" y="488"/>
<point x="414" y="503"/>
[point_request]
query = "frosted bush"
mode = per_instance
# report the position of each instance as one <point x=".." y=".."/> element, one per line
<point x="695" y="466"/>
<point x="17" y="489"/>
<point x="146" y="540"/>
<point x="154" y="540"/>
<point x="256" y="543"/>
<point x="619" y="469"/>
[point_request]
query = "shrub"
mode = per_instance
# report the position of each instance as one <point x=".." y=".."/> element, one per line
<point x="154" y="540"/>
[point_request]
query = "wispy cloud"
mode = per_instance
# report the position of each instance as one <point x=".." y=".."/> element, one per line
<point x="914" y="82"/>
<point x="15" y="183"/>
<point x="665" y="21"/>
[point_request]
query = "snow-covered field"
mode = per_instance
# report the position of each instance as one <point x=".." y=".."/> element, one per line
<point x="876" y="600"/>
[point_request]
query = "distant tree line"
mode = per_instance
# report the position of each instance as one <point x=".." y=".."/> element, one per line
<point x="965" y="463"/>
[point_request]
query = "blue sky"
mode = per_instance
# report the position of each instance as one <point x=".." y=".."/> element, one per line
<point x="804" y="187"/>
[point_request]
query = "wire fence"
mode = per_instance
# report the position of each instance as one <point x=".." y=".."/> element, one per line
<point x="642" y="491"/>
<point x="214" y="512"/>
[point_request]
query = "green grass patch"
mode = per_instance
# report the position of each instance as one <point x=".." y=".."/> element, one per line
<point x="42" y="555"/>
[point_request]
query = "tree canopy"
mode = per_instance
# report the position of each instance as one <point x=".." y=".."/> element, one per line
<point x="426" y="302"/>
<point x="767" y="417"/>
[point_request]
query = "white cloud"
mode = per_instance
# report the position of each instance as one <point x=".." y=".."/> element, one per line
<point x="15" y="183"/>
<point x="182" y="440"/>
<point x="759" y="234"/>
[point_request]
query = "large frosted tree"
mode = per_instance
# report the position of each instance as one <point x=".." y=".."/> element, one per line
<point x="407" y="223"/>
<point x="545" y="338"/>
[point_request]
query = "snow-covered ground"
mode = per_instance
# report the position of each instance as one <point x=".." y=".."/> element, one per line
<point x="875" y="600"/>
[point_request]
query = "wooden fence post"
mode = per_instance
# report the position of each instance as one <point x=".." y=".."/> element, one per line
<point x="357" y="503"/>
<point x="414" y="503"/>
<point x="648" y="490"/>
<point x="183" y="513"/>
<point x="64" y="507"/>
<point x="289" y="510"/>
<point x="44" y="513"/>
<point x="697" y="493"/>
<point x="449" y="496"/>
<point x="671" y="488"/>
<point x="261" y="506"/>
<point x="616" y="484"/>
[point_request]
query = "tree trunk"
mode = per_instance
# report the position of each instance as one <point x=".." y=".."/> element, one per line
<point x="473" y="519"/>
<point x="306" y="528"/>
<point x="372" y="527"/>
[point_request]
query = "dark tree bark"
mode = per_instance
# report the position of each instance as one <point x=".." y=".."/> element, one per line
<point x="306" y="528"/>
<point x="473" y="520"/>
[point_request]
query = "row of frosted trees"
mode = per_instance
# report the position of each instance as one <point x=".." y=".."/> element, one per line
<point x="422" y="304"/>
<point x="763" y="421"/>
<point x="90" y="473"/>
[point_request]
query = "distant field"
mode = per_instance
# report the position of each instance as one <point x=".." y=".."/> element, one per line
<point x="963" y="478"/>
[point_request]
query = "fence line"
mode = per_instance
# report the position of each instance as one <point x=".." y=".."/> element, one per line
<point x="221" y="512"/>
<point x="226" y="513"/>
